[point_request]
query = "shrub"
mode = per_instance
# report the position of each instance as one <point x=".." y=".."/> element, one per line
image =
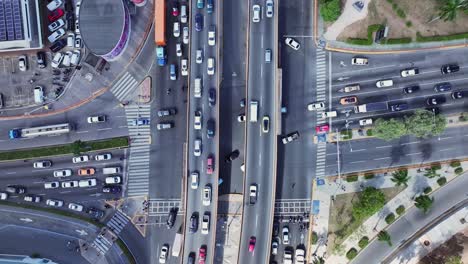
<point x="394" y="6"/>
<point x="390" y="218"/>
<point x="398" y="41"/>
<point x="330" y="10"/>
<point x="346" y="134"/>
<point x="436" y="166"/>
<point x="352" y="253"/>
<point x="314" y="239"/>
<point x="442" y="181"/>
<point x="352" y="178"/>
<point x="409" y="23"/>
<point x="369" y="132"/>
<point x="427" y="190"/>
<point x="400" y="209"/>
<point x="455" y="164"/>
<point x="401" y="13"/>
<point x="420" y="38"/>
<point x="363" y="242"/>
<point x="463" y="117"/>
<point x="369" y="176"/>
<point x="459" y="170"/>
<point x="390" y="1"/>
<point x="370" y="30"/>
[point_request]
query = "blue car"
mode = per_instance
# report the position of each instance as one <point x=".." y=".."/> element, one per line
<point x="200" y="3"/>
<point x="209" y="6"/>
<point x="199" y="22"/>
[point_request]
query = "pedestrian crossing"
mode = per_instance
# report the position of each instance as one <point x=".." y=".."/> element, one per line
<point x="118" y="222"/>
<point x="321" y="159"/>
<point x="140" y="139"/>
<point x="292" y="207"/>
<point x="102" y="244"/>
<point x="124" y="87"/>
<point x="321" y="75"/>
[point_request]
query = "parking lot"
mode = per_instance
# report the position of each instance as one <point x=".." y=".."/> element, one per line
<point x="39" y="182"/>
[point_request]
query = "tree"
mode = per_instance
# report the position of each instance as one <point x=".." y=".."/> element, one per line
<point x="454" y="260"/>
<point x="423" y="202"/>
<point x="400" y="178"/>
<point x="424" y="123"/>
<point x="370" y="201"/>
<point x="448" y="12"/>
<point x="77" y="147"/>
<point x="389" y="129"/>
<point x="330" y="10"/>
<point x="318" y="260"/>
<point x="384" y="236"/>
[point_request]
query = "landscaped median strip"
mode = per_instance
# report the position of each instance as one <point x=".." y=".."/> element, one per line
<point x="73" y="148"/>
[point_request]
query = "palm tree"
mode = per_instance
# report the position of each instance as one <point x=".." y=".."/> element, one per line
<point x="318" y="260"/>
<point x="385" y="237"/>
<point x="400" y="178"/>
<point x="423" y="202"/>
<point x="431" y="173"/>
<point x="448" y="12"/>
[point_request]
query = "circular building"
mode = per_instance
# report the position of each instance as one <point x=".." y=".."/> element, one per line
<point x="104" y="27"/>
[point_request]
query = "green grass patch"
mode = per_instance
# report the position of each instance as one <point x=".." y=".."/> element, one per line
<point x="427" y="190"/>
<point x="396" y="41"/>
<point x="455" y="164"/>
<point x="369" y="176"/>
<point x="346" y="134"/>
<point x="126" y="252"/>
<point x="421" y="38"/>
<point x="314" y="238"/>
<point x="409" y="23"/>
<point x="463" y="117"/>
<point x="442" y="181"/>
<point x="363" y="242"/>
<point x="352" y="253"/>
<point x="436" y="166"/>
<point x="401" y="13"/>
<point x="369" y="132"/>
<point x="459" y="170"/>
<point x="352" y="178"/>
<point x="370" y="31"/>
<point x="390" y="218"/>
<point x="120" y="142"/>
<point x="400" y="210"/>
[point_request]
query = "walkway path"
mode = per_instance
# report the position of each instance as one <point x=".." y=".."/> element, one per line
<point x="348" y="17"/>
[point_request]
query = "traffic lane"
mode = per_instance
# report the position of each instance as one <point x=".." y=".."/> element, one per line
<point x="296" y="239"/>
<point x="160" y="236"/>
<point x="414" y="219"/>
<point x="295" y="18"/>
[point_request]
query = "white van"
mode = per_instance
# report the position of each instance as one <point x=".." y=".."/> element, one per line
<point x="253" y="111"/>
<point x="198" y="88"/>
<point x="38" y="95"/>
<point x="329" y="114"/>
<point x="183" y="13"/>
<point x="111" y="170"/>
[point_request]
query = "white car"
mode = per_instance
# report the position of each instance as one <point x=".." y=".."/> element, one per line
<point x="70" y="184"/>
<point x="194" y="180"/>
<point x="185" y="33"/>
<point x="269" y="8"/>
<point x="71" y="40"/>
<point x="210" y="66"/>
<point x="292" y="43"/>
<point x="274" y="247"/>
<point x="205" y="227"/>
<point x="113" y="180"/>
<point x="56" y="35"/>
<point x="241" y="118"/>
<point x="77" y="27"/>
<point x="300" y="256"/>
<point x="163" y="254"/>
<point x="32" y="199"/>
<point x="78" y="43"/>
<point x="384" y="83"/>
<point x="63" y="173"/>
<point x="54" y="4"/>
<point x="206" y="195"/>
<point x="176" y="29"/>
<point x="87" y="183"/>
<point x="22" y="63"/>
<point x="199" y="56"/>
<point x="42" y="164"/>
<point x="179" y="50"/>
<point x="67" y="59"/>
<point x="56" y="25"/>
<point x="106" y="156"/>
<point x="256" y="9"/>
<point x="75" y="58"/>
<point x="51" y="185"/>
<point x="359" y="61"/>
<point x="97" y="119"/>
<point x="75" y="207"/>
<point x="197" y="147"/>
<point x="365" y="122"/>
<point x="286" y="235"/>
<point x="212" y="36"/>
<point x="77" y="8"/>
<point x="197" y="123"/>
<point x="316" y="106"/>
<point x="54" y="203"/>
<point x="184" y="67"/>
<point x="80" y="159"/>
<point x="3" y="196"/>
<point x="58" y="58"/>
<point x="409" y="72"/>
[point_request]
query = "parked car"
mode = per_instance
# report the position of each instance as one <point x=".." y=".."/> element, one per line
<point x="63" y="173"/>
<point x="449" y="68"/>
<point x="56" y="25"/>
<point x="67" y="59"/>
<point x="104" y="156"/>
<point x="86" y="171"/>
<point x="75" y="207"/>
<point x="57" y="46"/>
<point x="54" y="203"/>
<point x="80" y="159"/>
<point x="71" y="39"/>
<point x="42" y="164"/>
<point x="316" y="106"/>
<point x="75" y="58"/>
<point x="285" y="235"/>
<point x="163" y="253"/>
<point x="22" y="63"/>
<point x="111" y="189"/>
<point x="55" y="15"/>
<point x="95" y="213"/>
<point x="54" y="4"/>
<point x="41" y="59"/>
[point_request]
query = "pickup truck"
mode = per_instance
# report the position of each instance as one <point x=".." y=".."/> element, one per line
<point x="253" y="194"/>
<point x="287" y="257"/>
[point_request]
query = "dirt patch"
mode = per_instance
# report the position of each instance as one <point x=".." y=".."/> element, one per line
<point x="455" y="246"/>
<point x="341" y="216"/>
<point x="420" y="16"/>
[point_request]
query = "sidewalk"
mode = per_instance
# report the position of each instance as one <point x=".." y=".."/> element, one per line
<point x="374" y="224"/>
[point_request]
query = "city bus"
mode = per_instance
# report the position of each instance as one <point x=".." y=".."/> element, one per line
<point x="51" y="130"/>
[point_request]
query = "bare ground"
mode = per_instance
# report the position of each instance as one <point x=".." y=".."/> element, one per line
<point x="457" y="245"/>
<point x="421" y="13"/>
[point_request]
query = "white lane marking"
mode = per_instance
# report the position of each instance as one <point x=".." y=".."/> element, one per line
<point x="360" y="161"/>
<point x="447" y="149"/>
<point x="101" y="129"/>
<point x="381" y="158"/>
<point x="409" y="143"/>
<point x="417" y="153"/>
<point x="357" y="150"/>
<point x="366" y="69"/>
<point x="443" y="138"/>
<point x="122" y="126"/>
<point x="79" y="132"/>
<point x="387" y="146"/>
<point x="65" y="192"/>
<point x="12" y="172"/>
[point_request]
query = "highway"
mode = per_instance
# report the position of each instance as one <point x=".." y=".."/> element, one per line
<point x="260" y="147"/>
<point x="209" y="147"/>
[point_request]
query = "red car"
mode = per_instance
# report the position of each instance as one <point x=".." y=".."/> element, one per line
<point x="202" y="253"/>
<point x="322" y="128"/>
<point x="209" y="165"/>
<point x="56" y="14"/>
<point x="175" y="8"/>
<point x="252" y="244"/>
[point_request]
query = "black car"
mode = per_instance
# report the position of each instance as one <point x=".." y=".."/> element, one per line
<point x="167" y="112"/>
<point x="58" y="45"/>
<point x="443" y="87"/>
<point x="435" y="100"/>
<point x="193" y="223"/>
<point x="232" y="156"/>
<point x="210" y="128"/>
<point x="199" y="22"/>
<point x="449" y="68"/>
<point x="399" y="107"/>
<point x="15" y="189"/>
<point x="276" y="227"/>
<point x="95" y="213"/>
<point x="411" y="89"/>
<point x="171" y="218"/>
<point x="458" y="95"/>
<point x="41" y="60"/>
<point x="111" y="189"/>
<point x="212" y="97"/>
<point x="191" y="258"/>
